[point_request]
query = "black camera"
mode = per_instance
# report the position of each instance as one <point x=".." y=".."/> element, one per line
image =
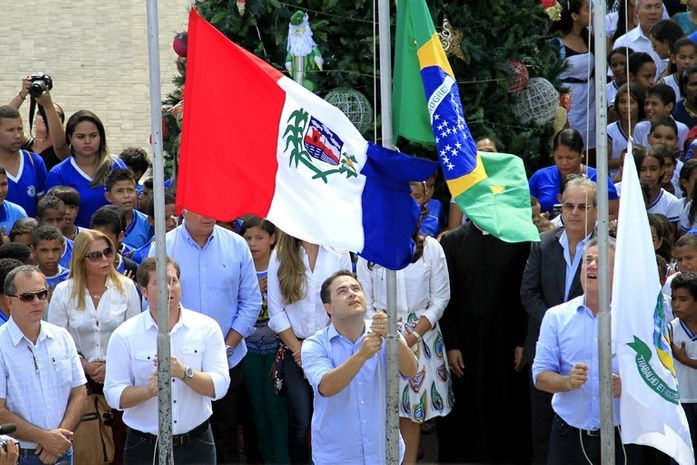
<point x="40" y="83"/>
<point x="4" y="440"/>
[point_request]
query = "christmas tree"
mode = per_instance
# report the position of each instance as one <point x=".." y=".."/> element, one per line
<point x="493" y="47"/>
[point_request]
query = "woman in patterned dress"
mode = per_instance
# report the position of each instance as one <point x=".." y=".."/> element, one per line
<point x="423" y="291"/>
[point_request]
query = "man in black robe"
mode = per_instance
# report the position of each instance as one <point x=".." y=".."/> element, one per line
<point x="484" y="328"/>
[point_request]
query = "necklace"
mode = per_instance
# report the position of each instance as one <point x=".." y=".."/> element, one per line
<point x="689" y="110"/>
<point x="96" y="296"/>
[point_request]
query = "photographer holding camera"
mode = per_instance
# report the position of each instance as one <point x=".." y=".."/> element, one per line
<point x="48" y="138"/>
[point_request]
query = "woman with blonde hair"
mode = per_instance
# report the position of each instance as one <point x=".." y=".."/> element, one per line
<point x="88" y="167"/>
<point x="296" y="272"/>
<point x="91" y="304"/>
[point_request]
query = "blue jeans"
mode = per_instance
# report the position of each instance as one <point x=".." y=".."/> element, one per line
<point x="198" y="451"/>
<point x="298" y="394"/>
<point x="66" y="459"/>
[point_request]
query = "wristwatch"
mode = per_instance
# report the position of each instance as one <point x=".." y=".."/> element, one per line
<point x="188" y="373"/>
<point x="229" y="350"/>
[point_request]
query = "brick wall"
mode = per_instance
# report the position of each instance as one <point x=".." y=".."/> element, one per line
<point x="97" y="53"/>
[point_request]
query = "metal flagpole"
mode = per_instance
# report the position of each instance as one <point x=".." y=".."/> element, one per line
<point x="392" y="413"/>
<point x="164" y="389"/>
<point x="607" y="430"/>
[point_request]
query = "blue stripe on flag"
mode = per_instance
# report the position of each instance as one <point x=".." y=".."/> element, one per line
<point x="390" y="214"/>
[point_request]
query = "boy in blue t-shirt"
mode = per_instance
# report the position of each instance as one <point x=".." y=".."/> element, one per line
<point x="137" y="162"/>
<point x="51" y="211"/>
<point x="71" y="198"/>
<point x="171" y="222"/>
<point x="121" y="192"/>
<point x="49" y="245"/>
<point x="9" y="211"/>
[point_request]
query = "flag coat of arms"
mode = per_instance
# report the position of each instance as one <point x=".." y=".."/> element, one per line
<point x="491" y="189"/>
<point x="650" y="401"/>
<point x="256" y="142"/>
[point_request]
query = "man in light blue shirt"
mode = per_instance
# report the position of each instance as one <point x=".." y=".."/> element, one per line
<point x="345" y="364"/>
<point x="218" y="279"/>
<point x="567" y="365"/>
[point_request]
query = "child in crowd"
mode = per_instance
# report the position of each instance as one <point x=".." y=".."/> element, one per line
<point x="49" y="245"/>
<point x="683" y="337"/>
<point x="617" y="61"/>
<point x="9" y="211"/>
<point x="629" y="106"/>
<point x="659" y="103"/>
<point x="121" y="191"/>
<point x="137" y="162"/>
<point x="685" y="258"/>
<point x="688" y="179"/>
<point x="18" y="251"/>
<point x="650" y="166"/>
<point x="664" y="133"/>
<point x="269" y="410"/>
<point x="22" y="231"/>
<point x="110" y="221"/>
<point x="71" y="198"/>
<point x="662" y="265"/>
<point x="429" y="225"/>
<point x="51" y="211"/>
<point x="642" y="69"/>
<point x="171" y="222"/>
<point x="661" y="235"/>
<point x="682" y="56"/>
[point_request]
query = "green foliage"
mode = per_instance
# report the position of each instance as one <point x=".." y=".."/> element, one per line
<point x="494" y="33"/>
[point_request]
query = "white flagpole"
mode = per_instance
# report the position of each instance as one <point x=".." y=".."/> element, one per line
<point x="607" y="429"/>
<point x="164" y="389"/>
<point x="392" y="413"/>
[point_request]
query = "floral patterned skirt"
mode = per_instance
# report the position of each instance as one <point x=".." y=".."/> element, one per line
<point x="429" y="394"/>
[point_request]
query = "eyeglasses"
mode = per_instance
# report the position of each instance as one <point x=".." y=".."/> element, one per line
<point x="27" y="297"/>
<point x="580" y="206"/>
<point x="99" y="254"/>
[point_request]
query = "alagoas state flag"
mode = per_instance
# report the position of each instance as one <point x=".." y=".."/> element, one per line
<point x="256" y="142"/>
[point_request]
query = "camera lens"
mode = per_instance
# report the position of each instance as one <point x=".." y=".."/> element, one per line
<point x="37" y="88"/>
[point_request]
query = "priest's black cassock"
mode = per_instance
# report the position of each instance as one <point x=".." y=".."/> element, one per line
<point x="485" y="320"/>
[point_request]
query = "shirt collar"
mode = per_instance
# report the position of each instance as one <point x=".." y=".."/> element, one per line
<point x="16" y="334"/>
<point x="636" y="34"/>
<point x="187" y="235"/>
<point x="564" y="240"/>
<point x="184" y="319"/>
<point x="333" y="333"/>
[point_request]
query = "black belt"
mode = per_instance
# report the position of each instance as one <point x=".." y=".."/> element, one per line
<point x="591" y="433"/>
<point x="177" y="439"/>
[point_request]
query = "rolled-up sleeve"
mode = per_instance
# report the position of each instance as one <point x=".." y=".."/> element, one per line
<point x="215" y="362"/>
<point x="118" y="372"/>
<point x="249" y="297"/>
<point x="315" y="360"/>
<point x="278" y="320"/>
<point x="547" y="355"/>
<point x="439" y="281"/>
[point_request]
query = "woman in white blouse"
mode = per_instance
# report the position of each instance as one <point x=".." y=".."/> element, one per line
<point x="297" y="270"/>
<point x="423" y="291"/>
<point x="91" y="304"/>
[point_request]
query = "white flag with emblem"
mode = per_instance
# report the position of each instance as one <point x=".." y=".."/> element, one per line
<point x="650" y="408"/>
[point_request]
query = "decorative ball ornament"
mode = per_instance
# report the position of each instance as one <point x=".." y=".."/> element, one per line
<point x="538" y="102"/>
<point x="179" y="44"/>
<point x="518" y="80"/>
<point x="354" y="105"/>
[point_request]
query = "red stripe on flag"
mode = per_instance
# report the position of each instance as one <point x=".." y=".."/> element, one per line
<point x="232" y="107"/>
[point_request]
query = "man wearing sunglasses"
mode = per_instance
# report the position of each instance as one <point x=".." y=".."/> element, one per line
<point x="42" y="378"/>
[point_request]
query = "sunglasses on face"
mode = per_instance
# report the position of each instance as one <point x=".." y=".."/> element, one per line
<point x="99" y="254"/>
<point x="27" y="297"/>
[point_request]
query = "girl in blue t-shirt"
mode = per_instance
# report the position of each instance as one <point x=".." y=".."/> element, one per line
<point x="88" y="167"/>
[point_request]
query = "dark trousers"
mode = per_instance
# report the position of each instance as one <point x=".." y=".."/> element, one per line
<point x="198" y="451"/>
<point x="299" y="404"/>
<point x="571" y="446"/>
<point x="541" y="415"/>
<point x="224" y="420"/>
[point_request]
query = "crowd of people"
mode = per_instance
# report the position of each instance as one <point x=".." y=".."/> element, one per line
<point x="278" y="344"/>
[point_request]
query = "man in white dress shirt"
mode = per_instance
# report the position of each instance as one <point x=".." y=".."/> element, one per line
<point x="43" y="385"/>
<point x="648" y="12"/>
<point x="199" y="374"/>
